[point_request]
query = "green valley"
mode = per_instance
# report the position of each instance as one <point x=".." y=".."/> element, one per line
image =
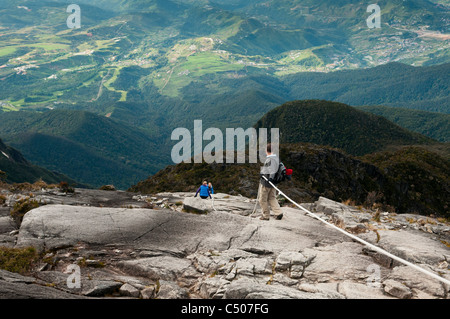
<point x="176" y="43"/>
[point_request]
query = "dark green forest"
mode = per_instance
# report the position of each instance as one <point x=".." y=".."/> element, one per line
<point x="14" y="168"/>
<point x="337" y="125"/>
<point x="93" y="150"/>
<point x="431" y="124"/>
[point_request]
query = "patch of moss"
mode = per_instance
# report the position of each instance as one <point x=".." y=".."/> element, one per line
<point x="377" y="216"/>
<point x="22" y="207"/>
<point x="66" y="188"/>
<point x="18" y="260"/>
<point x="445" y="243"/>
<point x="36" y="186"/>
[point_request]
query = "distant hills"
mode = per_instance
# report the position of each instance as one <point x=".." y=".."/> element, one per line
<point x="19" y="170"/>
<point x="394" y="84"/>
<point x="341" y="14"/>
<point x="95" y="150"/>
<point x="337" y="125"/>
<point x="226" y="102"/>
<point x="431" y="124"/>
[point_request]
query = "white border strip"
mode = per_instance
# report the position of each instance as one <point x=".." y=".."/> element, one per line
<point x="376" y="248"/>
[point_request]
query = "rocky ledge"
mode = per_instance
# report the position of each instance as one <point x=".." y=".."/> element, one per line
<point x="172" y="245"/>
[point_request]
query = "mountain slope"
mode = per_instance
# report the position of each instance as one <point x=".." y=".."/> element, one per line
<point x="97" y="149"/>
<point x="19" y="170"/>
<point x="255" y="38"/>
<point x="394" y="84"/>
<point x="241" y="98"/>
<point x="418" y="179"/>
<point x="337" y="125"/>
<point x="434" y="125"/>
<point x="20" y="13"/>
<point x="341" y="13"/>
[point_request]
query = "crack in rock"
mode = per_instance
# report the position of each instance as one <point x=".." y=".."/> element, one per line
<point x="152" y="229"/>
<point x="245" y="235"/>
<point x="115" y="223"/>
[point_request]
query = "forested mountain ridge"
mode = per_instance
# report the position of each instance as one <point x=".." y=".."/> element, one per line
<point x="431" y="124"/>
<point x="337" y="125"/>
<point x="335" y="151"/>
<point x="14" y="168"/>
<point x="95" y="150"/>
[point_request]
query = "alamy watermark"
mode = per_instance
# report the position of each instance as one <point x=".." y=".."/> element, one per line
<point x="190" y="147"/>
<point x="374" y="280"/>
<point x="374" y="20"/>
<point x="74" y="279"/>
<point x="74" y="19"/>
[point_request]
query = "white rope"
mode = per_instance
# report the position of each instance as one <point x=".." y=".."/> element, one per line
<point x="213" y="203"/>
<point x="376" y="248"/>
<point x="257" y="200"/>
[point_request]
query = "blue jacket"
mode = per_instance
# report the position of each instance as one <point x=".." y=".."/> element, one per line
<point x="211" y="190"/>
<point x="204" y="191"/>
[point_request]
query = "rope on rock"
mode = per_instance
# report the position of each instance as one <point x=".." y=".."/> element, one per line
<point x="257" y="200"/>
<point x="371" y="246"/>
<point x="212" y="197"/>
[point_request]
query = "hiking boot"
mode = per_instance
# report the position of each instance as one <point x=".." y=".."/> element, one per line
<point x="278" y="217"/>
<point x="264" y="218"/>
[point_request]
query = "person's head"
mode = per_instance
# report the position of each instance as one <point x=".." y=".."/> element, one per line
<point x="205" y="183"/>
<point x="269" y="149"/>
<point x="209" y="184"/>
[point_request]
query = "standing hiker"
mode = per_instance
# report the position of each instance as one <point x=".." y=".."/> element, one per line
<point x="204" y="191"/>
<point x="267" y="194"/>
